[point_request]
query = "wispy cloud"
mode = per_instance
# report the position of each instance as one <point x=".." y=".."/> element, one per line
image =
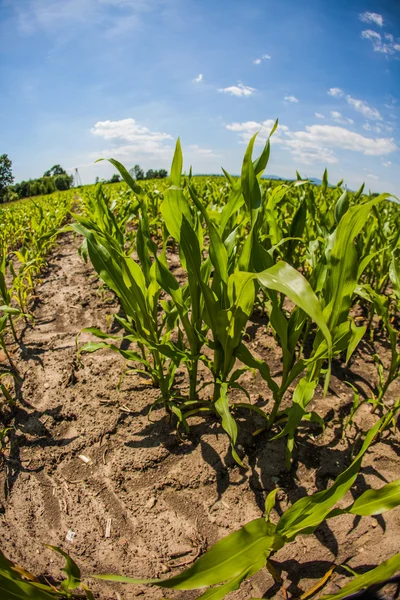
<point x="390" y="46"/>
<point x="319" y="115"/>
<point x="336" y="92"/>
<point x="238" y="90"/>
<point x="362" y="107"/>
<point x="194" y="149"/>
<point x="339" y="118"/>
<point x="371" y="17"/>
<point x="368" y="127"/>
<point x="316" y="143"/>
<point x="199" y="78"/>
<point x="52" y="16"/>
<point x="258" y="61"/>
<point x="290" y="99"/>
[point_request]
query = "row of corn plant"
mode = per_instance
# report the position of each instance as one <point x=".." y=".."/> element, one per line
<point x="232" y="254"/>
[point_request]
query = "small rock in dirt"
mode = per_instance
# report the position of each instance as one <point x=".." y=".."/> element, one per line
<point x="46" y="386"/>
<point x="151" y="502"/>
<point x="25" y="476"/>
<point x="164" y="568"/>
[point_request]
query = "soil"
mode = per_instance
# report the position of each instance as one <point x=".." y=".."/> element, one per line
<point x="84" y="454"/>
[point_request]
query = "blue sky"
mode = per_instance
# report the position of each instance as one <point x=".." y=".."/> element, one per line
<point x="82" y="79"/>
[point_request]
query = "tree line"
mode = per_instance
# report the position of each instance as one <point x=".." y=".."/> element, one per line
<point x="53" y="180"/>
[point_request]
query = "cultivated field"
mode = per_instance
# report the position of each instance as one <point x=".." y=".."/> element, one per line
<point x="200" y="387"/>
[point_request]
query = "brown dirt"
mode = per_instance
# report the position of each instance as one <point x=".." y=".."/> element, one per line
<point x="168" y="500"/>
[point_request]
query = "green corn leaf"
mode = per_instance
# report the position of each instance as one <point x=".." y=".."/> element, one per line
<point x="381" y="573"/>
<point x="357" y="333"/>
<point x="394" y="272"/>
<point x="285" y="279"/>
<point x="250" y="187"/>
<point x="342" y="206"/>
<point x="218" y="593"/>
<point x="247" y="358"/>
<point x="93" y="347"/>
<point x="270" y="502"/>
<point x="10" y="310"/>
<point x="308" y="513"/>
<point x="342" y="271"/>
<point x="71" y="569"/>
<point x="227" y="421"/>
<point x="375" y="502"/>
<point x="177" y="163"/>
<point x="230" y="558"/>
<point x="324" y="184"/>
<point x="100" y="334"/>
<point x="126" y="176"/>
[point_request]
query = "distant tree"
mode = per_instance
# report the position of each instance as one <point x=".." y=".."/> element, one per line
<point x="6" y="176"/>
<point x="56" y="170"/>
<point x="97" y="179"/>
<point x="115" y="178"/>
<point x="150" y="174"/>
<point x="161" y="174"/>
<point x="63" y="182"/>
<point x="137" y="172"/>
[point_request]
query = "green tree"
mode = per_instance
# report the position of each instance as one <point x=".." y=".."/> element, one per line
<point x="137" y="172"/>
<point x="56" y="170"/>
<point x="150" y="174"/>
<point x="6" y="176"/>
<point x="115" y="178"/>
<point x="63" y="182"/>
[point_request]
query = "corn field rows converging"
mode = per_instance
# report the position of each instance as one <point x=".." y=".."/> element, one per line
<point x="321" y="265"/>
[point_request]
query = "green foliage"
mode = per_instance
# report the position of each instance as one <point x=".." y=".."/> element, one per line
<point x="243" y="553"/>
<point x="241" y="244"/>
<point x="6" y="176"/>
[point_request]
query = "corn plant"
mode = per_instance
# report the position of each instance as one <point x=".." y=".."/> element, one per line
<point x="138" y="291"/>
<point x="16" y="583"/>
<point x="246" y="551"/>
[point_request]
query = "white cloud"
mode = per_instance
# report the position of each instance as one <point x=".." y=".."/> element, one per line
<point x="372" y="176"/>
<point x="387" y="164"/>
<point x="52" y="16"/>
<point x="370" y="17"/>
<point x="316" y="143"/>
<point x="376" y="128"/>
<point x="194" y="149"/>
<point x="141" y="139"/>
<point x="336" y="92"/>
<point x="389" y="47"/>
<point x="291" y="98"/>
<point x="319" y="115"/>
<point x="339" y="118"/>
<point x="238" y="90"/>
<point x="339" y="137"/>
<point x="135" y="142"/>
<point x="127" y="129"/>
<point x="258" y="61"/>
<point x="199" y="78"/>
<point x="362" y="107"/>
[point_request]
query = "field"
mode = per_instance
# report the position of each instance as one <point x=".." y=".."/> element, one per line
<point x="200" y="387"/>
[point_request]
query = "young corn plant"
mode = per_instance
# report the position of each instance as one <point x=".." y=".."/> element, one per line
<point x="334" y="280"/>
<point x="246" y="551"/>
<point x="223" y="278"/>
<point x="138" y="291"/>
<point x="16" y="583"/>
